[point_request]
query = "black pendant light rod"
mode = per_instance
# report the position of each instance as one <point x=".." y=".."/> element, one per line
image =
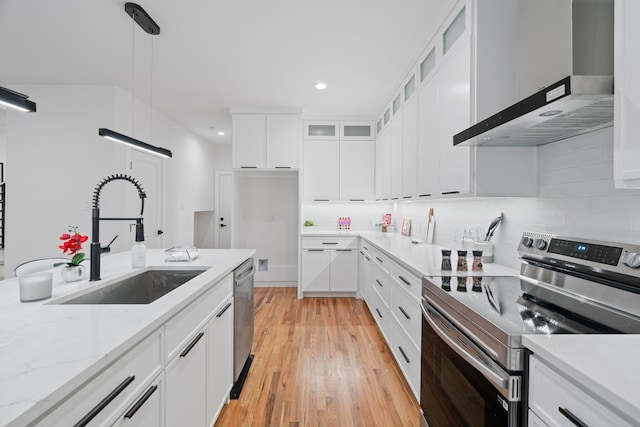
<point x="142" y="18"/>
<point x="134" y="143"/>
<point x="16" y="100"/>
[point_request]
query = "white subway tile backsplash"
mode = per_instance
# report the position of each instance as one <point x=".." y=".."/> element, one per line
<point x="587" y="156"/>
<point x="598" y="171"/>
<point x="599" y="221"/>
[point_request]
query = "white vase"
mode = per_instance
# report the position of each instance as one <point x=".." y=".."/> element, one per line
<point x="73" y="273"/>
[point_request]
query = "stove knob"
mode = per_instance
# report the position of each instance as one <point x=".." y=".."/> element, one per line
<point x="541" y="244"/>
<point x="632" y="259"/>
<point x="527" y="242"/>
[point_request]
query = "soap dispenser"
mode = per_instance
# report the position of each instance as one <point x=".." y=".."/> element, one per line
<point x="139" y="250"/>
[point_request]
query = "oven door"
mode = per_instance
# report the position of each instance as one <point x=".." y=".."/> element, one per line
<point x="460" y="385"/>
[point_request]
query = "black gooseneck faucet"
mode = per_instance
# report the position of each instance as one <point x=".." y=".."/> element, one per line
<point x="96" y="248"/>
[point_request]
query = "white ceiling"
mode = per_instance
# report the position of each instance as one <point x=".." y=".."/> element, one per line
<point x="215" y="54"/>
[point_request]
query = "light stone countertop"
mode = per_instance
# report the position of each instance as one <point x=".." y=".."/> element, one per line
<point x="49" y="350"/>
<point x="422" y="259"/>
<point x="604" y="366"/>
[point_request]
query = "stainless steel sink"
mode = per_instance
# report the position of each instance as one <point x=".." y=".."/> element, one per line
<point x="143" y="288"/>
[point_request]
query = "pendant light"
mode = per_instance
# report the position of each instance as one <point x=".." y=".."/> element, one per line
<point x="142" y="18"/>
<point x="16" y="100"/>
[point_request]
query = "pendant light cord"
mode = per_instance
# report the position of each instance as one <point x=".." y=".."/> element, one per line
<point x="133" y="61"/>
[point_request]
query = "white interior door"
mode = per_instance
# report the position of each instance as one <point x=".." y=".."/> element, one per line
<point x="223" y="208"/>
<point x="147" y="169"/>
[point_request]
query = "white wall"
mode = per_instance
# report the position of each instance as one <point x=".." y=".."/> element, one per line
<point x="576" y="197"/>
<point x="55" y="158"/>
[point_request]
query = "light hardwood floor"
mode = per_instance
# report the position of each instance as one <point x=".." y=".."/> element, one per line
<point x="319" y="362"/>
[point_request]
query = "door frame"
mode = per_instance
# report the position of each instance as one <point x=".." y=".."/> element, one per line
<point x="217" y="204"/>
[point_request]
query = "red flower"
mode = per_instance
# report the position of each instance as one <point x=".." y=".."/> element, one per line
<point x="73" y="244"/>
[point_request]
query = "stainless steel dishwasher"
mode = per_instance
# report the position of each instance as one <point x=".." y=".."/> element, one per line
<point x="242" y="324"/>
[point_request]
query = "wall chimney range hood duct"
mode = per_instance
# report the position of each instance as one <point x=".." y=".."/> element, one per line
<point x="575" y="105"/>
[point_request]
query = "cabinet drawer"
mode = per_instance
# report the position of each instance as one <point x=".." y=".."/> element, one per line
<point x="407" y="312"/>
<point x="406" y="280"/>
<point x="97" y="402"/>
<point x="556" y="400"/>
<point x="407" y="355"/>
<point x="534" y="421"/>
<point x="179" y="329"/>
<point x="381" y="259"/>
<point x="380" y="312"/>
<point x="381" y="282"/>
<point x="330" y="243"/>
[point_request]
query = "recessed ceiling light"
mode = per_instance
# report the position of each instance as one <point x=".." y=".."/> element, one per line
<point x="221" y="133"/>
<point x="321" y="86"/>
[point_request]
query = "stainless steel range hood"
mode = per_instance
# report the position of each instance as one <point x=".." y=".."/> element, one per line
<point x="581" y="48"/>
<point x="570" y="107"/>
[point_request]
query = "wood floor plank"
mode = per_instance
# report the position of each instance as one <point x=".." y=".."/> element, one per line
<point x="319" y="362"/>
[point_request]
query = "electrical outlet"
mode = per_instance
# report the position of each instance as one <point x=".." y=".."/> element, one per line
<point x="455" y="234"/>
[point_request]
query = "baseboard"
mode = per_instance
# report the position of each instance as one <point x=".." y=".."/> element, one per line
<point x="275" y="284"/>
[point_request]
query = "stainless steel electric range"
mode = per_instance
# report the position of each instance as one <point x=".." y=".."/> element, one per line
<point x="473" y="361"/>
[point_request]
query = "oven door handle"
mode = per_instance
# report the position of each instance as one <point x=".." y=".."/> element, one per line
<point x="492" y="373"/>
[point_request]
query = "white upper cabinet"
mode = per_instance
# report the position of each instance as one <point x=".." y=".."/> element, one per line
<point x="321" y="172"/>
<point x="322" y="130"/>
<point x="428" y="153"/>
<point x="396" y="148"/>
<point x="283" y="141"/>
<point x="357" y="161"/>
<point x="410" y="140"/>
<point x="249" y="148"/>
<point x="354" y="131"/>
<point x="266" y="140"/>
<point x="626" y="164"/>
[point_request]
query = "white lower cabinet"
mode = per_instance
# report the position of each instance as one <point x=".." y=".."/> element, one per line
<point x="185" y="404"/>
<point x="329" y="264"/>
<point x="534" y="420"/>
<point x="364" y="275"/>
<point x="219" y="359"/>
<point x="407" y="355"/>
<point x="147" y="409"/>
<point x="558" y="401"/>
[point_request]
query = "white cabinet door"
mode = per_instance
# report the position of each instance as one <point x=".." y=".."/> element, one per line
<point x="626" y="169"/>
<point x="396" y="155"/>
<point x="283" y="141"/>
<point x="219" y="359"/>
<point x="378" y="171"/>
<point x="249" y="146"/>
<point x="364" y="276"/>
<point x="385" y="163"/>
<point x="316" y="267"/>
<point x="428" y="139"/>
<point x="455" y="116"/>
<point x="410" y="147"/>
<point x="357" y="162"/>
<point x="147" y="410"/>
<point x="344" y="270"/>
<point x="185" y="403"/>
<point x="321" y="170"/>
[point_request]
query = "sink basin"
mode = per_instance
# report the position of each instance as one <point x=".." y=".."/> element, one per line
<point x="143" y="288"/>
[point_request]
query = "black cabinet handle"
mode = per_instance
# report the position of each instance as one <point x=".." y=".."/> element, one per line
<point x="404" y="355"/>
<point x="424" y="195"/>
<point x="356" y="200"/>
<point x="248" y="167"/>
<point x="394" y="198"/>
<point x="147" y="394"/>
<point x="378" y="282"/>
<point x="320" y="200"/>
<point x="575" y="420"/>
<point x="226" y="307"/>
<point x="365" y="248"/>
<point x="315" y="250"/>
<point x="379" y="260"/>
<point x="344" y="250"/>
<point x="368" y="259"/>
<point x="407" y="197"/>
<point x="444" y="193"/>
<point x="361" y="253"/>
<point x="104" y="402"/>
<point x="379" y="314"/>
<point x="329" y="243"/>
<point x="283" y="167"/>
<point x="406" y="282"/>
<point x="192" y="344"/>
<point x="404" y="312"/>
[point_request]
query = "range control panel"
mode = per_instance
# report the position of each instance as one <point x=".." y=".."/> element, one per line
<point x="590" y="253"/>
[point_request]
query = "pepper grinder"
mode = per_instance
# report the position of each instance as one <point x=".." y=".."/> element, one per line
<point x="462" y="261"/>
<point x="477" y="261"/>
<point x="446" y="260"/>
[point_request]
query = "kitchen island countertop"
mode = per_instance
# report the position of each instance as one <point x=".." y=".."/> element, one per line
<point x="49" y="350"/>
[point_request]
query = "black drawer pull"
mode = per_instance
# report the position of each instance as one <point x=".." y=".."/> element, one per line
<point x="320" y="200"/>
<point x="406" y="282"/>
<point x="404" y="312"/>
<point x="344" y="250"/>
<point x="379" y="314"/>
<point x="424" y="195"/>
<point x="365" y="248"/>
<point x="248" y="167"/>
<point x="394" y="198"/>
<point x="361" y="253"/>
<point x="192" y="344"/>
<point x="404" y="355"/>
<point x="378" y="282"/>
<point x="147" y="394"/>
<point x="379" y="260"/>
<point x="329" y="243"/>
<point x="315" y="250"/>
<point x="283" y="167"/>
<point x="104" y="402"/>
<point x="368" y="259"/>
<point x="407" y="197"/>
<point x="575" y="420"/>
<point x="444" y="193"/>
<point x="226" y="307"/>
<point x="356" y="200"/>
